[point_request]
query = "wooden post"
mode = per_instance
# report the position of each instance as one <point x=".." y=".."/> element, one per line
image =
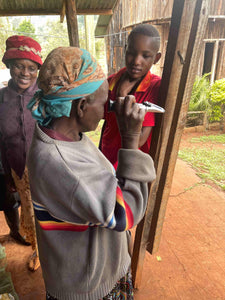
<point x="188" y="24"/>
<point x="214" y="61"/>
<point x="205" y="121"/>
<point x="63" y="12"/>
<point x="71" y="18"/>
<point x="89" y="34"/>
<point x="86" y="33"/>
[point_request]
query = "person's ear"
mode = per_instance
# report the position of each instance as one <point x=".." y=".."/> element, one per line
<point x="157" y="57"/>
<point x="81" y="107"/>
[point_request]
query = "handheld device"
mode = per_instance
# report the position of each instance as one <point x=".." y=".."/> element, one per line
<point x="149" y="107"/>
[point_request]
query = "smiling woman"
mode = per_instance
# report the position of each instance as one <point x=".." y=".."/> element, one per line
<point x="23" y="58"/>
<point x="23" y="73"/>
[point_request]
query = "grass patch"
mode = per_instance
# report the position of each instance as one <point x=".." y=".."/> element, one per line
<point x="95" y="135"/>
<point x="209" y="164"/>
<point x="215" y="139"/>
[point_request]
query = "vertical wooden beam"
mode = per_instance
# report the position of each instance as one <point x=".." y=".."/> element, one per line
<point x="89" y="34"/>
<point x="71" y="18"/>
<point x="86" y="33"/>
<point x="188" y="24"/>
<point x="142" y="230"/>
<point x="214" y="61"/>
<point x="220" y="73"/>
<point x="178" y="120"/>
<point x="63" y="12"/>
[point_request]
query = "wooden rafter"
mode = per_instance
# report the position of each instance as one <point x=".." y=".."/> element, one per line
<point x="213" y="40"/>
<point x="158" y="21"/>
<point x="63" y="12"/>
<point x="28" y="12"/>
<point x="220" y="17"/>
<point x="71" y="19"/>
<point x="95" y="12"/>
<point x="40" y="12"/>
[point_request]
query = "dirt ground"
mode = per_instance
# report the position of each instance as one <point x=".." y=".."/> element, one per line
<point x="178" y="270"/>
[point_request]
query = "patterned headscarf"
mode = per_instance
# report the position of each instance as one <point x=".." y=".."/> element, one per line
<point x="68" y="73"/>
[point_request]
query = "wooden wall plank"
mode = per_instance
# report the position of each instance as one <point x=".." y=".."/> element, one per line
<point x="147" y="11"/>
<point x="220" y="72"/>
<point x="186" y="34"/>
<point x="142" y="230"/>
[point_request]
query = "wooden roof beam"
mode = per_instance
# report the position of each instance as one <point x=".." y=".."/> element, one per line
<point x="40" y="12"/>
<point x="216" y="18"/>
<point x="28" y="12"/>
<point x="214" y="40"/>
<point x="95" y="11"/>
<point x="158" y="21"/>
<point x="71" y="19"/>
<point x="63" y="12"/>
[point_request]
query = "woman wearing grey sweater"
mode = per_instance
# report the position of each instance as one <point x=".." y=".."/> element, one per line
<point x="83" y="207"/>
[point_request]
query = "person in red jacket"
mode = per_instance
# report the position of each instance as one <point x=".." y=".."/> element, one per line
<point x="134" y="79"/>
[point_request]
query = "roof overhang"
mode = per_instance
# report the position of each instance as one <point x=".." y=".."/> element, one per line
<point x="102" y="25"/>
<point x="54" y="7"/>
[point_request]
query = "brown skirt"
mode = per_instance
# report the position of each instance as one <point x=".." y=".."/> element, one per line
<point x="27" y="223"/>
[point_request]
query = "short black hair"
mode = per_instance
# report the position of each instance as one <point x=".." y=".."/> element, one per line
<point x="146" y="29"/>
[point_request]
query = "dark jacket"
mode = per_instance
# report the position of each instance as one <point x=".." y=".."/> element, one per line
<point x="16" y="127"/>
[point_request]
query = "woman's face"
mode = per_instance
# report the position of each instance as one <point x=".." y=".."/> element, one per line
<point x="95" y="108"/>
<point x="23" y="73"/>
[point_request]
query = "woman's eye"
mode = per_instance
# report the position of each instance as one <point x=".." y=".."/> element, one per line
<point x="20" y="67"/>
<point x="32" y="70"/>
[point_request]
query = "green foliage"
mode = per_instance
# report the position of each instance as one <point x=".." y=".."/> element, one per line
<point x="200" y="94"/>
<point x="208" y="161"/>
<point x="26" y="28"/>
<point x="54" y="34"/>
<point x="50" y="33"/>
<point x="8" y="27"/>
<point x="100" y="53"/>
<point x="208" y="98"/>
<point x="81" y="30"/>
<point x="217" y="100"/>
<point x="4" y="34"/>
<point x="214" y="139"/>
<point x="95" y="135"/>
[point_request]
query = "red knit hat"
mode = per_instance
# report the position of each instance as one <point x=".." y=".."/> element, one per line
<point x="19" y="46"/>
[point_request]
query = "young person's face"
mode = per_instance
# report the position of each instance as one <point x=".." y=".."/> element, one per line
<point x="141" y="54"/>
<point x="23" y="73"/>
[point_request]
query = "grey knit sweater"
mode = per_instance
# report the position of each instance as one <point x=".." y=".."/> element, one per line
<point x="83" y="211"/>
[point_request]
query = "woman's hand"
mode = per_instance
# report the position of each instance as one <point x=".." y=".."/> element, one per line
<point x="129" y="118"/>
